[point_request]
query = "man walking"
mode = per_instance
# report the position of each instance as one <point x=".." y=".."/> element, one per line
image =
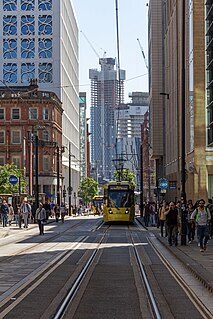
<point x="172" y="224"/>
<point x="201" y="215"/>
<point x="25" y="209"/>
<point x="4" y="213"/>
<point x="40" y="217"/>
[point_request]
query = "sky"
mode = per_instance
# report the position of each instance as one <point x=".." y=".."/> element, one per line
<point x="97" y="20"/>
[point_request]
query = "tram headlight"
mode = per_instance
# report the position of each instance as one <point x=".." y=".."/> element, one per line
<point x="127" y="211"/>
<point x="110" y="211"/>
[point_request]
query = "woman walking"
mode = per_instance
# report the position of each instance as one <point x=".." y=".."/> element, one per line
<point x="10" y="214"/>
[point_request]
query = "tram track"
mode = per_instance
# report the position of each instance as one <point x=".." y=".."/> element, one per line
<point x="155" y="313"/>
<point x="198" y="303"/>
<point x="116" y="251"/>
<point x="185" y="279"/>
<point x="34" y="277"/>
<point x="61" y="311"/>
<point x="152" y="309"/>
<point x="17" y="296"/>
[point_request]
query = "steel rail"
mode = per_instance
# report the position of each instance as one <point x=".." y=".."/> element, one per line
<point x="150" y="296"/>
<point x="192" y="296"/>
<point x="28" y="286"/>
<point x="73" y="290"/>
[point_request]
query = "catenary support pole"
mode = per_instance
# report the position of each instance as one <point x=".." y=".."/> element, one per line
<point x="183" y="136"/>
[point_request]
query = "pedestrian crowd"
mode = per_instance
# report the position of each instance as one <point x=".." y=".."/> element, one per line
<point x="25" y="213"/>
<point x="198" y="220"/>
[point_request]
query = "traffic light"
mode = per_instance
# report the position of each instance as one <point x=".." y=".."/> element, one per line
<point x="64" y="193"/>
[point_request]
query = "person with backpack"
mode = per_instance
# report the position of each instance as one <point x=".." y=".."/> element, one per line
<point x="201" y="216"/>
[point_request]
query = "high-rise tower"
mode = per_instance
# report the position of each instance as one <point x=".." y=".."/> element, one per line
<point x="106" y="96"/>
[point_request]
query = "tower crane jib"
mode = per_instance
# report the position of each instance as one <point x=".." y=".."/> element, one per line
<point x="142" y="51"/>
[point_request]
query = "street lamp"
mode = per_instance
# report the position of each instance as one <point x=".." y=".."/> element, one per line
<point x="183" y="136"/>
<point x="36" y="173"/>
<point x="74" y="195"/>
<point x="59" y="151"/>
<point x="70" y="180"/>
<point x="141" y="175"/>
<point x="34" y="140"/>
<point x="70" y="188"/>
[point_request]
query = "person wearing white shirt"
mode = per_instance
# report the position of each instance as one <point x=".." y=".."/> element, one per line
<point x="201" y="216"/>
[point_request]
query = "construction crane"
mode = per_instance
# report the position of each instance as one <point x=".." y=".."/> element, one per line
<point x="142" y="51"/>
<point x="92" y="47"/>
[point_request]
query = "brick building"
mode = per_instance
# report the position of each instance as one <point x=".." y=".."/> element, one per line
<point x="27" y="114"/>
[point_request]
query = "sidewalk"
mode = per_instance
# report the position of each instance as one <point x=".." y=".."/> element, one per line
<point x="13" y="229"/>
<point x="199" y="263"/>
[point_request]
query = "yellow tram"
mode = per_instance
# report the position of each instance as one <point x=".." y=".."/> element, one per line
<point x="97" y="205"/>
<point x="119" y="202"/>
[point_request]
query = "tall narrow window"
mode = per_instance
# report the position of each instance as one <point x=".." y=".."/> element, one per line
<point x="46" y="136"/>
<point x="2" y="137"/>
<point x="45" y="114"/>
<point x="1" y="114"/>
<point x="17" y="161"/>
<point x="46" y="163"/>
<point x="16" y="137"/>
<point x="15" y="114"/>
<point x="2" y="160"/>
<point x="33" y="113"/>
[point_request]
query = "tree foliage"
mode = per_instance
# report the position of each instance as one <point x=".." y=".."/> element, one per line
<point x="5" y="186"/>
<point x="125" y="175"/>
<point x="88" y="189"/>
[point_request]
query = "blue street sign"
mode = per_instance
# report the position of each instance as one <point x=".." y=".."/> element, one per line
<point x="13" y="179"/>
<point x="163" y="183"/>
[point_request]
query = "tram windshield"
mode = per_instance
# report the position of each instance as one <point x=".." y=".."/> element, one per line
<point x="120" y="198"/>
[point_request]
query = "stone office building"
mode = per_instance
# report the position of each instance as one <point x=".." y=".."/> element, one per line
<point x="166" y="88"/>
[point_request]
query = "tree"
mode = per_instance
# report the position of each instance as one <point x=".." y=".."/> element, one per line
<point x="88" y="189"/>
<point x="5" y="186"/>
<point x="125" y="175"/>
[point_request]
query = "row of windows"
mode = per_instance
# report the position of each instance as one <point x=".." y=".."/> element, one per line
<point x="16" y="137"/>
<point x="33" y="114"/>
<point x="28" y="72"/>
<point x="27" y="5"/>
<point x="27" y="48"/>
<point x="17" y="161"/>
<point x="27" y="26"/>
